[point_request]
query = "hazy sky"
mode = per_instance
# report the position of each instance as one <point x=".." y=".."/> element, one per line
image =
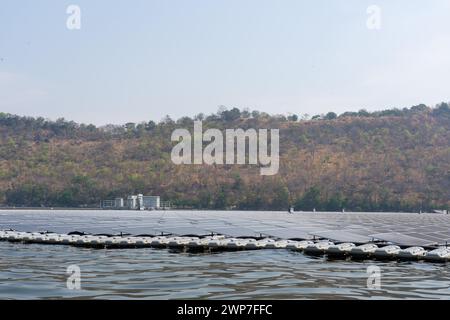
<point x="140" y="60"/>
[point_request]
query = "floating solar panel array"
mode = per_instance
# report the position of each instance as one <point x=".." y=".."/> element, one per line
<point x="403" y="229"/>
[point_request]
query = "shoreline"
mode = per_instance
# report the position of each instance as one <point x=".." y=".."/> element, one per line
<point x="48" y="208"/>
<point x="201" y="210"/>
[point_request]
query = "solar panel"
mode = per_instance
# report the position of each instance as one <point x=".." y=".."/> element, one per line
<point x="402" y="239"/>
<point x="342" y="236"/>
<point x="236" y="232"/>
<point x="401" y="228"/>
<point x="186" y="231"/>
<point x="287" y="233"/>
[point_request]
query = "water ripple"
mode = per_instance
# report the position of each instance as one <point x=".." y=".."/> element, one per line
<point x="36" y="272"/>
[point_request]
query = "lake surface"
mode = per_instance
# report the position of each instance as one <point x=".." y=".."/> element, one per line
<point x="39" y="271"/>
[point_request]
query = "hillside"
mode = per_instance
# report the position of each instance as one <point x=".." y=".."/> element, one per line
<point x="391" y="160"/>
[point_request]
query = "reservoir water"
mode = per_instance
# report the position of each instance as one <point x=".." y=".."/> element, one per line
<point x="40" y="271"/>
<point x="33" y="271"/>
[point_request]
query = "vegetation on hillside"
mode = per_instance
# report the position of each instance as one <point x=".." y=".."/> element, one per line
<point x="392" y="160"/>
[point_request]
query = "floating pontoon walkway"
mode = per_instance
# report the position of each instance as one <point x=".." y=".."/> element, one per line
<point x="357" y="235"/>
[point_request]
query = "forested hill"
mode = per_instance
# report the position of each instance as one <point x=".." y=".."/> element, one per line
<point x="389" y="160"/>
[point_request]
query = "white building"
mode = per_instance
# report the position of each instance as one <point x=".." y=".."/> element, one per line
<point x="140" y="202"/>
<point x="108" y="204"/>
<point x="119" y="203"/>
<point x="132" y="202"/>
<point x="152" y="202"/>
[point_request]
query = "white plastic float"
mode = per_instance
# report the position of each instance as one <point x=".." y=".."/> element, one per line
<point x="70" y="239"/>
<point x="438" y="255"/>
<point x="387" y="252"/>
<point x="26" y="237"/>
<point x="159" y="242"/>
<point x="254" y="244"/>
<point x="234" y="244"/>
<point x="99" y="241"/>
<point x="299" y="245"/>
<point x="412" y="253"/>
<point x="35" y="237"/>
<point x="15" y="236"/>
<point x="281" y="244"/>
<point x="4" y="235"/>
<point x="51" y="238"/>
<point x="128" y="242"/>
<point x="199" y="244"/>
<point x="227" y="244"/>
<point x="202" y="243"/>
<point x="340" y="249"/>
<point x="121" y="242"/>
<point x="216" y="243"/>
<point x="180" y="242"/>
<point x="64" y="239"/>
<point x="82" y="240"/>
<point x="363" y="250"/>
<point x="319" y="247"/>
<point x="10" y="235"/>
<point x="112" y="241"/>
<point x="143" y="242"/>
<point x="38" y="238"/>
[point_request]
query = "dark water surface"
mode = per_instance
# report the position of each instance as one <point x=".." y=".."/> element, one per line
<point x="39" y="271"/>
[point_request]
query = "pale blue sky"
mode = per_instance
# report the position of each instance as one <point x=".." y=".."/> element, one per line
<point x="142" y="59"/>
